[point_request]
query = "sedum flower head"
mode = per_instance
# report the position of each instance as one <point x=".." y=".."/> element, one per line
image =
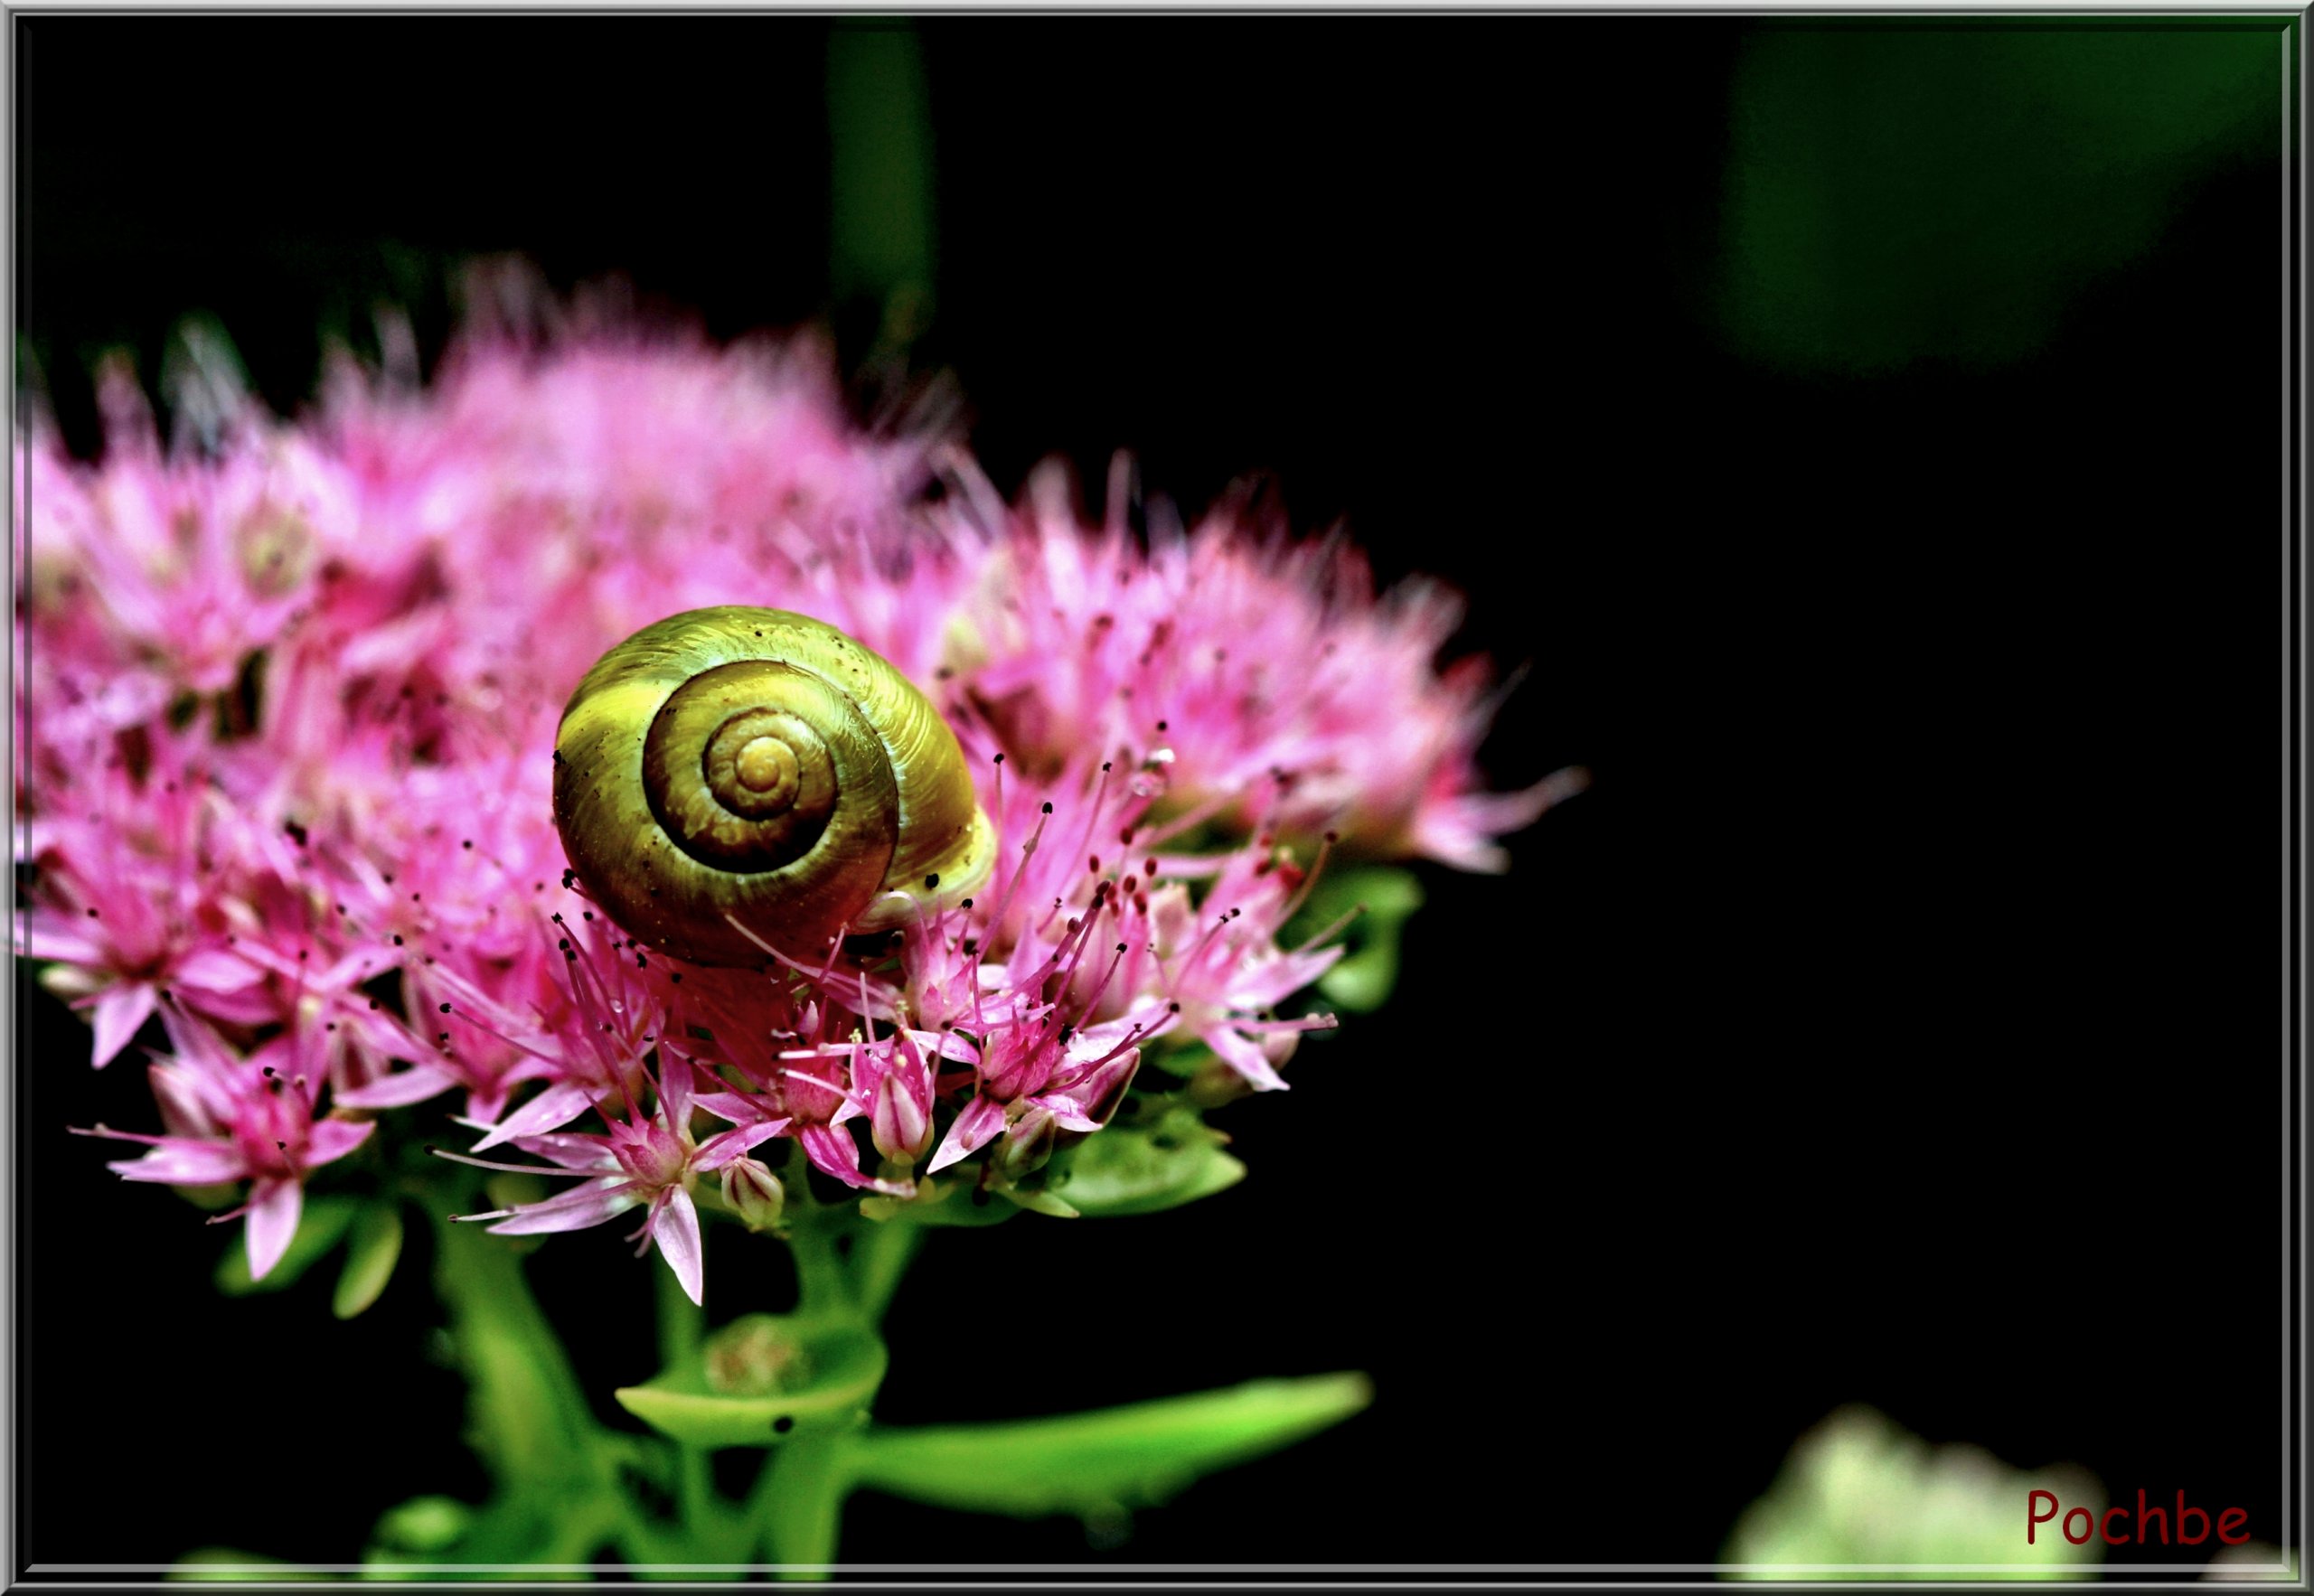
<point x="293" y="688"/>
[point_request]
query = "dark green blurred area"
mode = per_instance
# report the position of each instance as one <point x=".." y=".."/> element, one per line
<point x="1945" y="191"/>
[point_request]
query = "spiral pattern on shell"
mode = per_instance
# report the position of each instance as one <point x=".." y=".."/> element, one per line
<point x="757" y="765"/>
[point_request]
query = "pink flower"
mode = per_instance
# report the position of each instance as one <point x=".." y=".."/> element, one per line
<point x="132" y="902"/>
<point x="232" y="1118"/>
<point x="1221" y="971"/>
<point x="1047" y="1075"/>
<point x="1262" y="676"/>
<point x="645" y="1159"/>
<point x="183" y="567"/>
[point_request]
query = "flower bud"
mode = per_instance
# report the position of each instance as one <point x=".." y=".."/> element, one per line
<point x="754" y="1193"/>
<point x="1025" y="1146"/>
<point x="1216" y="1084"/>
<point x="900" y="1124"/>
<point x="1103" y="1092"/>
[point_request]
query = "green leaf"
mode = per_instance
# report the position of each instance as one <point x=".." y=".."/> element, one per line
<point x="1038" y="1201"/>
<point x="757" y="1371"/>
<point x="422" y="1525"/>
<point x="370" y="1256"/>
<point x="1362" y="979"/>
<point x="319" y="1227"/>
<point x="1160" y="1159"/>
<point x="1101" y="1463"/>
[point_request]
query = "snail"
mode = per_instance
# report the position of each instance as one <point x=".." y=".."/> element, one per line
<point x="757" y="765"/>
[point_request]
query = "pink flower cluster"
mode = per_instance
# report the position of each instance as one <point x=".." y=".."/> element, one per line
<point x="289" y="692"/>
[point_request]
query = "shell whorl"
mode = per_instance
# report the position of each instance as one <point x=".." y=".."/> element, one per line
<point x="760" y="764"/>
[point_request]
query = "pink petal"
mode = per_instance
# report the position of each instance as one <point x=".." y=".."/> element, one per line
<point x="676" y="1230"/>
<point x="334" y="1139"/>
<point x="198" y="1043"/>
<point x="214" y="970"/>
<point x="834" y="1153"/>
<point x="974" y="1129"/>
<point x="1269" y="984"/>
<point x="399" y="1089"/>
<point x="555" y="1107"/>
<point x="1243" y="1057"/>
<point x="573" y="1150"/>
<point x="1091" y="1103"/>
<point x="358" y="965"/>
<point x="674" y="1091"/>
<point x="120" y="1012"/>
<point x="720" y="1149"/>
<point x="576" y="1209"/>
<point x="741" y="1108"/>
<point x="186" y="1163"/>
<point x="178" y="1096"/>
<point x="43" y="941"/>
<point x="274" y="1207"/>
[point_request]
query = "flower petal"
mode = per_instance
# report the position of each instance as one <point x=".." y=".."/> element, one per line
<point x="676" y="1230"/>
<point x="974" y="1128"/>
<point x="186" y="1163"/>
<point x="420" y="1081"/>
<point x="274" y="1207"/>
<point x="591" y="1203"/>
<point x="674" y="1090"/>
<point x="551" y="1109"/>
<point x="334" y="1139"/>
<point x="1243" y="1057"/>
<point x="721" y="1148"/>
<point x="120" y="1012"/>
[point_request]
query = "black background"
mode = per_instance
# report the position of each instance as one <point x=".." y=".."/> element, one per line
<point x="1895" y="1020"/>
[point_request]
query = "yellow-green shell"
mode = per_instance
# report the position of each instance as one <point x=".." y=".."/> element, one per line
<point x="759" y="764"/>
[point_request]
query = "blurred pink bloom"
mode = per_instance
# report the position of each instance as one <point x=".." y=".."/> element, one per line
<point x="133" y="901"/>
<point x="1262" y="675"/>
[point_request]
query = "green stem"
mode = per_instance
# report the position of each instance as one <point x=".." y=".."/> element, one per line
<point x="881" y="1256"/>
<point x="681" y="1326"/>
<point x="823" y="1288"/>
<point x="799" y="1502"/>
<point x="681" y="1321"/>
<point x="529" y="1415"/>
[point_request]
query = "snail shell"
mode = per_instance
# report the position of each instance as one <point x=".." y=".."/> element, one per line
<point x="760" y="764"/>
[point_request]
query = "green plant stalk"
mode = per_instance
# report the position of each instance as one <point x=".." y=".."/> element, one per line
<point x="881" y="1253"/>
<point x="528" y="1416"/>
<point x="558" y="1496"/>
<point x="682" y="1325"/>
<point x="565" y="1481"/>
<point x="799" y="1502"/>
